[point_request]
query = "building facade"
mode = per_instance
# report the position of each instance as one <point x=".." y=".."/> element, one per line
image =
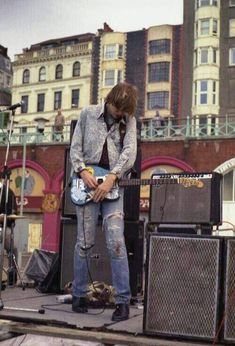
<point x="5" y="77"/>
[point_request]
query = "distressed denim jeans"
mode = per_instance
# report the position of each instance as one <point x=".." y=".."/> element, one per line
<point x="113" y="226"/>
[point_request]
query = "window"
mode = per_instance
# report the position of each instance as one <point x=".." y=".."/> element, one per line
<point x="41" y="102"/>
<point x="213" y="92"/>
<point x="112" y="77"/>
<point x="113" y="51"/>
<point x="59" y="72"/>
<point x="109" y="77"/>
<point x="75" y="98"/>
<point x="76" y="69"/>
<point x="26" y="76"/>
<point x="229" y="186"/>
<point x="57" y="99"/>
<point x="232" y="3"/>
<point x="203" y="120"/>
<point x="120" y="51"/>
<point x="42" y="74"/>
<point x="201" y="3"/>
<point x="203" y="92"/>
<point x="110" y="51"/>
<point x="232" y="56"/>
<point x="24" y="107"/>
<point x="158" y="99"/>
<point x="119" y="76"/>
<point x="195" y="93"/>
<point x="215" y="27"/>
<point x="204" y="55"/>
<point x="215" y="53"/>
<point x="232" y="27"/>
<point x="8" y="81"/>
<point x="23" y="132"/>
<point x="158" y="72"/>
<point x="205" y="27"/>
<point x="159" y="47"/>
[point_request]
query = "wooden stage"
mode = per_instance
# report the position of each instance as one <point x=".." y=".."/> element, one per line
<point x="60" y="326"/>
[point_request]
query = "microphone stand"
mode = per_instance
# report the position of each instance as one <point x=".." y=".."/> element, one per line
<point x="5" y="185"/>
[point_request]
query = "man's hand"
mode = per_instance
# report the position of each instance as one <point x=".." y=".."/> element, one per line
<point x="89" y="179"/>
<point x="102" y="189"/>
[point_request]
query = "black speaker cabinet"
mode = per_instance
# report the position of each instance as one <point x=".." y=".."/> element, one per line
<point x="68" y="208"/>
<point x="99" y="260"/>
<point x="186" y="198"/>
<point x="182" y="286"/>
<point x="131" y="194"/>
<point x="204" y="229"/>
<point x="229" y="292"/>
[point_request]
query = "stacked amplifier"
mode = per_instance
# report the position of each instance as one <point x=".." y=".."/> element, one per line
<point x="185" y="202"/>
<point x="190" y="280"/>
<point x="99" y="261"/>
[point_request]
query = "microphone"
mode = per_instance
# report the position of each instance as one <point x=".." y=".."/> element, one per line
<point x="16" y="105"/>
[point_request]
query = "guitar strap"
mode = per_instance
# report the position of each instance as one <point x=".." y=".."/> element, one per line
<point x="122" y="131"/>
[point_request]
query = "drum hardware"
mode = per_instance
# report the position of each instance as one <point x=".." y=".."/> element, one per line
<point x="10" y="219"/>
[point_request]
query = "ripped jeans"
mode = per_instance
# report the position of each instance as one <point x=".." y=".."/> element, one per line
<point x="113" y="225"/>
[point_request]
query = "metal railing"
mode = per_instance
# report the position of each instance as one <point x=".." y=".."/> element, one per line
<point x="150" y="131"/>
<point x="187" y="128"/>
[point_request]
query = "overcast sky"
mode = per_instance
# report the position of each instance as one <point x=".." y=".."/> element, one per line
<point x="26" y="22"/>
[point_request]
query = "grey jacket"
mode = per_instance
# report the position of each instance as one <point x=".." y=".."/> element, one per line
<point x="89" y="137"/>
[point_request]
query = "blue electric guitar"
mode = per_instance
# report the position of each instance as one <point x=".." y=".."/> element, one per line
<point x="81" y="194"/>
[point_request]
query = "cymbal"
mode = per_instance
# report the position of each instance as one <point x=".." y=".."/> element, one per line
<point x="12" y="217"/>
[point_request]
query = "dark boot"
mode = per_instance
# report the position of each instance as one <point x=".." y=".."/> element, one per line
<point x="121" y="312"/>
<point x="79" y="304"/>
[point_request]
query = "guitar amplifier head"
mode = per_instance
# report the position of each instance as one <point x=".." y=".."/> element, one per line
<point x="186" y="198"/>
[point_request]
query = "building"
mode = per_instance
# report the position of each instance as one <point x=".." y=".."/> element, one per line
<point x="5" y="77"/>
<point x="51" y="75"/>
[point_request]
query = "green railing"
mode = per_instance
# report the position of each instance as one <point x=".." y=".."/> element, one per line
<point x="150" y="131"/>
<point x="187" y="128"/>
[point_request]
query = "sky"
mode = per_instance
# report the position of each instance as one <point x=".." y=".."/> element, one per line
<point x="27" y="22"/>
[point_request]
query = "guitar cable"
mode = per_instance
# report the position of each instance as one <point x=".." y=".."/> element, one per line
<point x="86" y="249"/>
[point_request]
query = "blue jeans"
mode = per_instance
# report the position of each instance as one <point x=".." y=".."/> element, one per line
<point x="113" y="225"/>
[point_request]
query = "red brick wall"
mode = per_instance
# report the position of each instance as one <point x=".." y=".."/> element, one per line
<point x="202" y="155"/>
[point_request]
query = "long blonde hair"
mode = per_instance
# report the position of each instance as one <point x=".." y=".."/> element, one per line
<point x="124" y="97"/>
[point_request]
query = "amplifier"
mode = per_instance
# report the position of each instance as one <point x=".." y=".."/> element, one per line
<point x="182" y="290"/>
<point x="186" y="198"/>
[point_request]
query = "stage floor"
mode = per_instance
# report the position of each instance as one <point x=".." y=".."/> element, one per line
<point x="93" y="328"/>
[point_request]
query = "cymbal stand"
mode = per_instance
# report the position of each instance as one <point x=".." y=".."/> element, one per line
<point x="13" y="268"/>
<point x="5" y="185"/>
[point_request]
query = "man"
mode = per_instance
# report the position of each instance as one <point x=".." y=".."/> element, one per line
<point x="99" y="139"/>
<point x="59" y="125"/>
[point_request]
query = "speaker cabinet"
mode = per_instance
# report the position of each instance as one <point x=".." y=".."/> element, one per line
<point x="99" y="260"/>
<point x="68" y="208"/>
<point x="186" y="198"/>
<point x="131" y="194"/>
<point x="182" y="286"/>
<point x="229" y="292"/>
<point x="180" y="228"/>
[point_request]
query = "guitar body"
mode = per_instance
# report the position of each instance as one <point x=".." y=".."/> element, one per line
<point x="81" y="194"/>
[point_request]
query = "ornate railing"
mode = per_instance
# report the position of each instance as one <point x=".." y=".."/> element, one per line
<point x="188" y="127"/>
<point x="150" y="131"/>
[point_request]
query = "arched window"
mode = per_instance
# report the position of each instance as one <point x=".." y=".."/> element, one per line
<point x="59" y="72"/>
<point x="42" y="74"/>
<point x="76" y="69"/>
<point x="26" y="75"/>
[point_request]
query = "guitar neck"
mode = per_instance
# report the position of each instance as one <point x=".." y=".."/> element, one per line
<point x="136" y="182"/>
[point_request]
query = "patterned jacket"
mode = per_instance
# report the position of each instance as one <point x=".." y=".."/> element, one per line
<point x="89" y="137"/>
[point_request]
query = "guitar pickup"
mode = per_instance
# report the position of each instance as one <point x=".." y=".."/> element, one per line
<point x="100" y="180"/>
